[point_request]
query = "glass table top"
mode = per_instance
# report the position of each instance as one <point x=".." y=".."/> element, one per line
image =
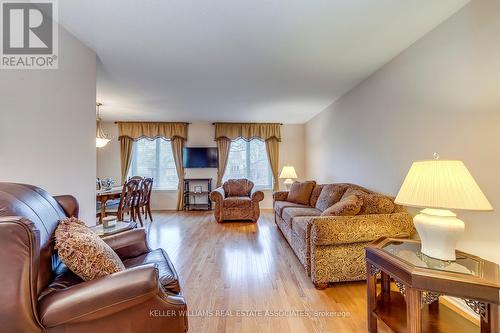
<point x="410" y="252"/>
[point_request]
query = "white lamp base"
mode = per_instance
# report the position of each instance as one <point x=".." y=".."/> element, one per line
<point x="439" y="230"/>
<point x="288" y="183"/>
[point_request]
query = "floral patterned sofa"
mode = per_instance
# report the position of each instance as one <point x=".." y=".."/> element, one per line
<point x="332" y="247"/>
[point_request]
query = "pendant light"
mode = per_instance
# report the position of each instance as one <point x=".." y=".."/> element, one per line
<point x="102" y="138"/>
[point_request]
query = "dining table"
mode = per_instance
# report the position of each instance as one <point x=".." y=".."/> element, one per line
<point x="104" y="195"/>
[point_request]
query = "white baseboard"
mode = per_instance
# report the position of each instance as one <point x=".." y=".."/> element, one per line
<point x="459" y="306"/>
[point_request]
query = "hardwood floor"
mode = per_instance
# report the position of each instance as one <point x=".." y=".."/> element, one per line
<point x="250" y="268"/>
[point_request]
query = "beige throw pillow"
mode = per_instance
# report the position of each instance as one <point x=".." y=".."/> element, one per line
<point x="300" y="192"/>
<point x="348" y="206"/>
<point x="85" y="253"/>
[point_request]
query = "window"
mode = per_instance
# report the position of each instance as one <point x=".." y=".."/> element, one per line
<point x="248" y="159"/>
<point x="154" y="158"/>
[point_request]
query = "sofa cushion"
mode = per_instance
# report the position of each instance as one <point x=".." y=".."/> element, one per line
<point x="280" y="205"/>
<point x="301" y="225"/>
<point x="237" y="187"/>
<point x="315" y="195"/>
<point x="290" y="212"/>
<point x="166" y="273"/>
<point x="237" y="202"/>
<point x="300" y="192"/>
<point x="373" y="203"/>
<point x="330" y="194"/>
<point x="85" y="253"/>
<point x="348" y="206"/>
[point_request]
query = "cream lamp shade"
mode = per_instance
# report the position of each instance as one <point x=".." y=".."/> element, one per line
<point x="438" y="186"/>
<point x="288" y="172"/>
<point x="441" y="184"/>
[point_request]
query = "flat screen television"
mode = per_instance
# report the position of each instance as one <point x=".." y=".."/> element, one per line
<point x="199" y="157"/>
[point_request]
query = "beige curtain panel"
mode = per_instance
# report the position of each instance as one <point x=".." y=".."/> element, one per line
<point x="248" y="131"/>
<point x="273" y="154"/>
<point x="177" y="145"/>
<point x="125" y="156"/>
<point x="223" y="146"/>
<point x="152" y="130"/>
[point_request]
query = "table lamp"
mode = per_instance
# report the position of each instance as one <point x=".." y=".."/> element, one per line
<point x="439" y="185"/>
<point x="288" y="172"/>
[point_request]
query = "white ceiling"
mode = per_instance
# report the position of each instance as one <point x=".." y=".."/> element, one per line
<point x="248" y="60"/>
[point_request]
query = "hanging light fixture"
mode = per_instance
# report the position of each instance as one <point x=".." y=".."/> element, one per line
<point x="102" y="138"/>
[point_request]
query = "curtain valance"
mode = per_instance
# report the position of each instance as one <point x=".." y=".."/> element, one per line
<point x="152" y="130"/>
<point x="248" y="131"/>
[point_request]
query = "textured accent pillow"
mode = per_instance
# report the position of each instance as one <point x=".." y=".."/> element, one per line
<point x="348" y="206"/>
<point x="330" y="194"/>
<point x="315" y="195"/>
<point x="373" y="203"/>
<point x="300" y="192"/>
<point x="85" y="253"/>
<point x="237" y="187"/>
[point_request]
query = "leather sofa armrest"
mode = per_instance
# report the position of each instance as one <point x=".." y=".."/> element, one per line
<point x="256" y="195"/>
<point x="69" y="204"/>
<point x="99" y="298"/>
<point x="280" y="196"/>
<point x="218" y="194"/>
<point x="128" y="244"/>
<point x="335" y="230"/>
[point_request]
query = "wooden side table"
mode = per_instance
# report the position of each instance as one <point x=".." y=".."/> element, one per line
<point x="421" y="280"/>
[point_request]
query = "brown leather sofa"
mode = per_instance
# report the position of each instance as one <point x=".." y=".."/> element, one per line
<point x="237" y="200"/>
<point x="40" y="294"/>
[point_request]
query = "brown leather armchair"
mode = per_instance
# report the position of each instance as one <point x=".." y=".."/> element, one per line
<point x="40" y="294"/>
<point x="237" y="199"/>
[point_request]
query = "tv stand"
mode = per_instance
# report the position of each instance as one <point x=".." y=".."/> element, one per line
<point x="197" y="194"/>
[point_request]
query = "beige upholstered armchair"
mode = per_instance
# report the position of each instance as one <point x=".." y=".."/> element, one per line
<point x="237" y="200"/>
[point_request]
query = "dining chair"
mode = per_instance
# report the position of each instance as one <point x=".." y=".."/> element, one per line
<point x="144" y="206"/>
<point x="129" y="201"/>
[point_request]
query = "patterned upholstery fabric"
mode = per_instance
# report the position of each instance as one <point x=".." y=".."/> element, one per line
<point x="330" y="195"/>
<point x="349" y="206"/>
<point x="290" y="212"/>
<point x="83" y="252"/>
<point x="280" y="205"/>
<point x="300" y="192"/>
<point x="315" y="195"/>
<point x="373" y="203"/>
<point x="237" y="187"/>
<point x="237" y="202"/>
<point x="234" y="207"/>
<point x="332" y="248"/>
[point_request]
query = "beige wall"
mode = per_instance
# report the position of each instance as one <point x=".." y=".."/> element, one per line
<point x="440" y="95"/>
<point x="47" y="125"/>
<point x="202" y="135"/>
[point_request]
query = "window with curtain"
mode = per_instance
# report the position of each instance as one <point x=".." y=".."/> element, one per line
<point x="248" y="159"/>
<point x="154" y="158"/>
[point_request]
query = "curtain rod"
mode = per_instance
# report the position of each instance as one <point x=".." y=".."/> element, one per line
<point x="168" y="122"/>
<point x="248" y="123"/>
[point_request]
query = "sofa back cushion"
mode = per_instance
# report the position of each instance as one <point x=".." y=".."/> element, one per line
<point x="300" y="192"/>
<point x="330" y="195"/>
<point x="373" y="203"/>
<point x="348" y="206"/>
<point x="237" y="187"/>
<point x="315" y="195"/>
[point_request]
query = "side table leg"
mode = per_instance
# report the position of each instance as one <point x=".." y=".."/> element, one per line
<point x="413" y="310"/>
<point x="386" y="283"/>
<point x="371" y="299"/>
<point x="491" y="323"/>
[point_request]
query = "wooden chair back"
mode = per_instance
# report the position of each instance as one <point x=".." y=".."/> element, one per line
<point x="129" y="198"/>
